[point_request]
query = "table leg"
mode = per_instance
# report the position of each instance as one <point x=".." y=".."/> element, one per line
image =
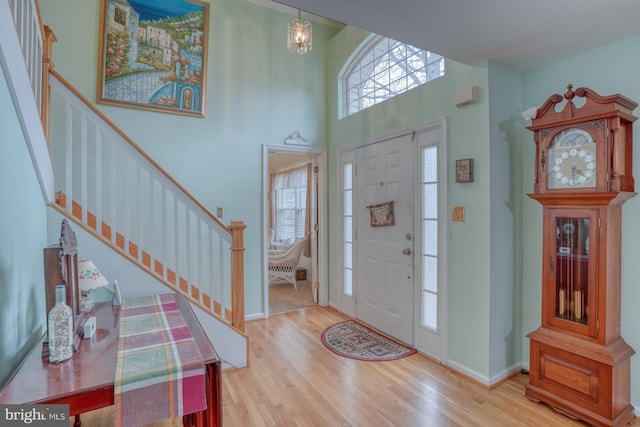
<point x="198" y="419"/>
<point x="213" y="415"/>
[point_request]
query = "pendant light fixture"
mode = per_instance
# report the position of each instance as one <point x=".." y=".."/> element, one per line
<point x="299" y="35"/>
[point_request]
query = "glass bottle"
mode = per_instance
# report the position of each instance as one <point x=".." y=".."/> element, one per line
<point x="60" y="328"/>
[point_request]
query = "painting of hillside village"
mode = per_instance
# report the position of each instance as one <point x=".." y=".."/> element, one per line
<point x="153" y="55"/>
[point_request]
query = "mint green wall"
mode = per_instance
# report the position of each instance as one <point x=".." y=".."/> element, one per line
<point x="607" y="70"/>
<point x="467" y="136"/>
<point x="23" y="232"/>
<point x="257" y="93"/>
<point x="506" y="124"/>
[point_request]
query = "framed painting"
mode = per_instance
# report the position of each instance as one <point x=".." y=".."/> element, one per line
<point x="153" y="55"/>
<point x="464" y="170"/>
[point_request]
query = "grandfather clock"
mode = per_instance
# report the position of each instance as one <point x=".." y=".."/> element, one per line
<point x="579" y="363"/>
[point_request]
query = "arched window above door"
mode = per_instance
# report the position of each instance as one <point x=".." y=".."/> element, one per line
<point x="382" y="69"/>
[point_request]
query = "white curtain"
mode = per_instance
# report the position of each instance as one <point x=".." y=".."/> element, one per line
<point x="290" y="197"/>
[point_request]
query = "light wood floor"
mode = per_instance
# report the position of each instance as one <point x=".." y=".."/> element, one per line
<point x="283" y="296"/>
<point x="293" y="380"/>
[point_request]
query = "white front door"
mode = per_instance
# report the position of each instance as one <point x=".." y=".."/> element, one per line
<point x="384" y="264"/>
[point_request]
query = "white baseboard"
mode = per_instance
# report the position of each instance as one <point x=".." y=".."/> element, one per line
<point x="460" y="368"/>
<point x="505" y="373"/>
<point x="254" y="316"/>
<point x="483" y="379"/>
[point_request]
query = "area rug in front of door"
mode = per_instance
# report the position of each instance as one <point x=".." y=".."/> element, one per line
<point x="355" y="341"/>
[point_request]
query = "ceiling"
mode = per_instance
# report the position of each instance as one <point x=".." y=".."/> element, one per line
<point x="517" y="34"/>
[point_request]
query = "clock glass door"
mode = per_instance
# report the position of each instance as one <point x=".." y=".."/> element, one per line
<point x="572" y="268"/>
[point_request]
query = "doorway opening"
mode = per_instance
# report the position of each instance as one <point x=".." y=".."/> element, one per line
<point x="293" y="218"/>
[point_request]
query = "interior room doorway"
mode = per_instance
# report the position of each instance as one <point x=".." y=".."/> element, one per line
<point x="293" y="210"/>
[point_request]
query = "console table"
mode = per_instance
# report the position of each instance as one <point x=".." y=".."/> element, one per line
<point x="85" y="382"/>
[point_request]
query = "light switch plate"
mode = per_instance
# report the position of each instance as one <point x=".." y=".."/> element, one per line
<point x="457" y="213"/>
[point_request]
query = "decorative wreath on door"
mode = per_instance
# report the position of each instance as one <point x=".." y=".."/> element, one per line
<point x="382" y="214"/>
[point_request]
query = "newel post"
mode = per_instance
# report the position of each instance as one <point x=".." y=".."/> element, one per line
<point x="237" y="273"/>
<point x="49" y="38"/>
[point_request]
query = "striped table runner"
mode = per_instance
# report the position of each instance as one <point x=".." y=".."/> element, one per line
<point x="159" y="370"/>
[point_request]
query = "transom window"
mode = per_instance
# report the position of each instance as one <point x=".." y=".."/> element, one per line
<point x="386" y="68"/>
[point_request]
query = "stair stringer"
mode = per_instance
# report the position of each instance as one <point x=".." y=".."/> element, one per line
<point x="231" y="345"/>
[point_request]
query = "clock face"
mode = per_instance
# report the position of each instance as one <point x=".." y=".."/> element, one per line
<point x="572" y="160"/>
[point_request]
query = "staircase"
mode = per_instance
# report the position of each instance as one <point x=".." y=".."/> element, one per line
<point x="122" y="198"/>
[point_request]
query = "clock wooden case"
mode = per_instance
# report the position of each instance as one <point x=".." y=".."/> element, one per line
<point x="579" y="363"/>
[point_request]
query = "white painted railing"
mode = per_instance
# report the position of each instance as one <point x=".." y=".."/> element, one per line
<point x="107" y="182"/>
<point x="21" y="50"/>
<point x="29" y="29"/>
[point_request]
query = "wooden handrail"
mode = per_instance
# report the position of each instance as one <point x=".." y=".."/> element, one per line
<point x="75" y="216"/>
<point x="189" y="285"/>
<point x="49" y="38"/>
<point x="136" y="147"/>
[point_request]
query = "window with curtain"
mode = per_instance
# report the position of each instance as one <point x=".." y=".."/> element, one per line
<point x="290" y="197"/>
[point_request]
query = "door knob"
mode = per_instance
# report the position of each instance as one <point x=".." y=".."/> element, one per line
<point x="406" y="251"/>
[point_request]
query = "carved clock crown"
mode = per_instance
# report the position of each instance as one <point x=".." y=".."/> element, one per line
<point x="606" y="121"/>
